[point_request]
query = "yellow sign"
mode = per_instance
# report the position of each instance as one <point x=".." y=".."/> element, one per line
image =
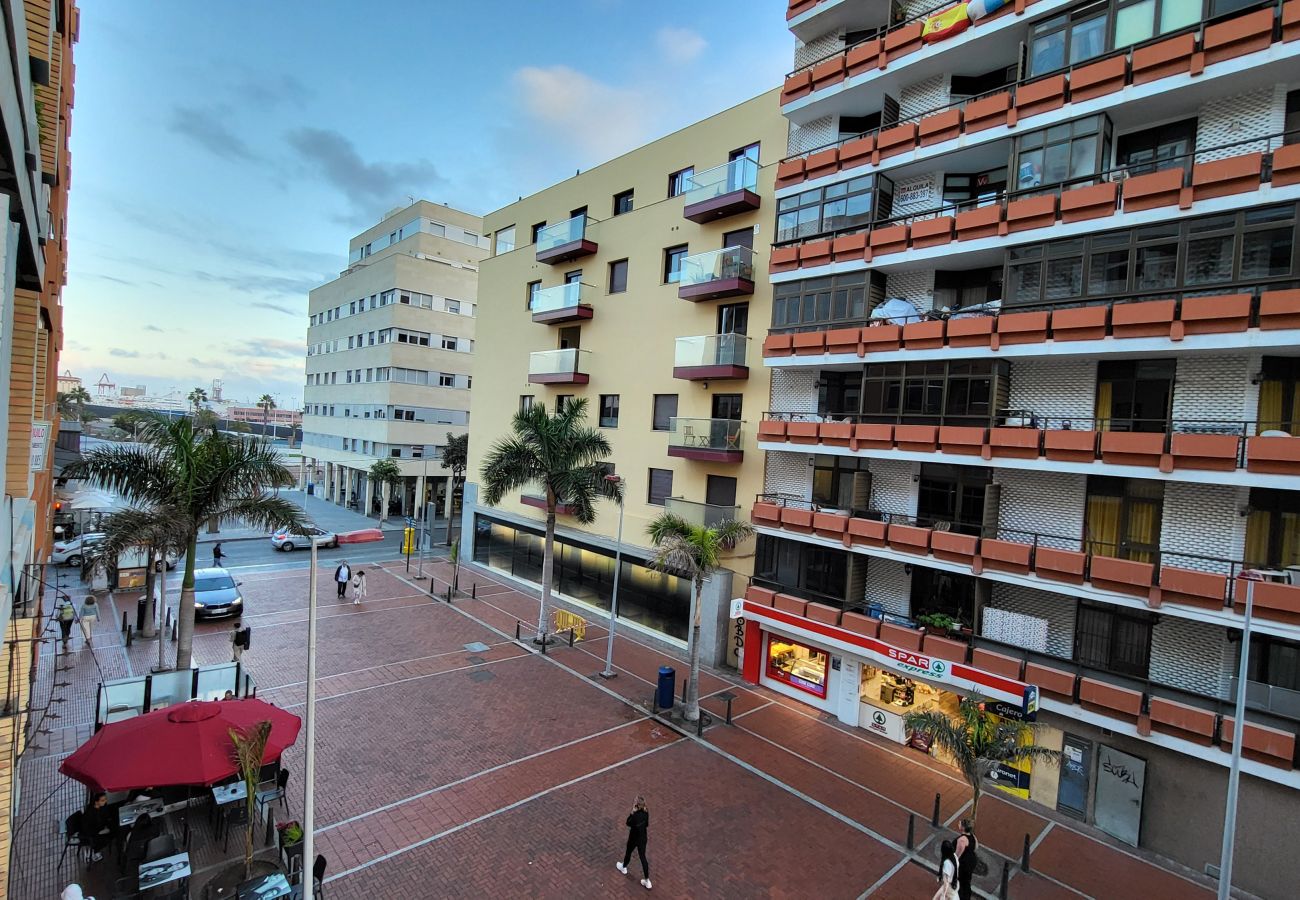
<point x="408" y="541"/>
<point x="564" y="620"/>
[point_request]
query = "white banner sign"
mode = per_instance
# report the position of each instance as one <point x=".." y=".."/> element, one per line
<point x="882" y="722"/>
<point x="737" y="607"/>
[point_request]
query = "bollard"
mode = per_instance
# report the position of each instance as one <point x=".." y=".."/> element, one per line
<point x="654" y="703"/>
<point x="570" y="637"/>
<point x="544" y="636"/>
<point x="1006" y="874"/>
<point x="270" y="826"/>
<point x="517" y="623"/>
<point x="1024" y="859"/>
<point x="934" y="820"/>
<point x="729" y="699"/>
<point x="173" y="631"/>
<point x="124" y="625"/>
<point x="448" y="593"/>
<point x="473" y="591"/>
<point x="128" y="634"/>
<point x="911" y="830"/>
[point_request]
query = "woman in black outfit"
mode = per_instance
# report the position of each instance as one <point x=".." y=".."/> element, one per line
<point x="638" y="825"/>
<point x="967" y="859"/>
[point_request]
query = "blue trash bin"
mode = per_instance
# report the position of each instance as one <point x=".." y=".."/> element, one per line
<point x="311" y="489"/>
<point x="667" y="687"/>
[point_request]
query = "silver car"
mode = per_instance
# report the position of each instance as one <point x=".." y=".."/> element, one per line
<point x="73" y="552"/>
<point x="216" y="594"/>
<point x="286" y="540"/>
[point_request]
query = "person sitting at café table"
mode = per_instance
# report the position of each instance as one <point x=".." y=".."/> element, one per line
<point x="99" y="825"/>
<point x="149" y="793"/>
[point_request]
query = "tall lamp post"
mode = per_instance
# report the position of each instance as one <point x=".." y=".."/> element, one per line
<point x="618" y="573"/>
<point x="309" y="780"/>
<point x="1234" y="771"/>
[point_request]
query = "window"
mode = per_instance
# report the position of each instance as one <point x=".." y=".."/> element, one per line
<point x="797" y="665"/>
<point x="727" y="406"/>
<point x="525" y="402"/>
<point x="623" y="203"/>
<point x="1113" y="639"/>
<point x="1163" y="147"/>
<point x="1068" y="39"/>
<point x="1273" y="529"/>
<point x="1135" y="395"/>
<point x="815" y="573"/>
<point x="837" y="207"/>
<point x="537" y="230"/>
<point x="665" y="409"/>
<point x="834" y="478"/>
<point x="823" y="301"/>
<point x="930" y="393"/>
<point x="618" y="276"/>
<point x="562" y="401"/>
<point x="445" y="379"/>
<point x="609" y="410"/>
<point x="449" y="343"/>
<point x="1061" y="153"/>
<point x="679" y="182"/>
<point x="673" y="257"/>
<point x="1273" y="661"/>
<point x="661" y="486"/>
<point x="953" y="494"/>
<point x="1122" y="517"/>
<point x="395" y="451"/>
<point x="1139" y="20"/>
<point x="530" y="293"/>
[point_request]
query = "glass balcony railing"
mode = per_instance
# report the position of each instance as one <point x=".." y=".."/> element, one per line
<point x="559" y="298"/>
<point x="737" y="175"/>
<point x="708" y="350"/>
<point x="561" y="233"/>
<point x="710" y="435"/>
<point x="729" y="264"/>
<point x="554" y="364"/>
<point x="704" y="514"/>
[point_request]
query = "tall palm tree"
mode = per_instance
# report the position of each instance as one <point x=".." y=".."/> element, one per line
<point x="694" y="552"/>
<point x="267" y="402"/>
<point x="201" y="475"/>
<point x="197" y="398"/>
<point x="562" y="456"/>
<point x="455" y="456"/>
<point x="979" y="741"/>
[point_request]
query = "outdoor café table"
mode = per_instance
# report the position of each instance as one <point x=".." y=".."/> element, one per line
<point x="127" y="813"/>
<point x="229" y="793"/>
<point x="163" y="871"/>
<point x="266" y="887"/>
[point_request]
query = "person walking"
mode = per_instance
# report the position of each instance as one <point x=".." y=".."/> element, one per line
<point x="947" y="872"/>
<point x="217" y="554"/>
<point x="65" y="615"/>
<point x="89" y="615"/>
<point x="342" y="575"/>
<point x="638" y="827"/>
<point x="967" y="859"/>
<point x="240" y="638"/>
<point x="358" y="587"/>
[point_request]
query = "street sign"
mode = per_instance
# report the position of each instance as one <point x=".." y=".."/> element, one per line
<point x="737" y="607"/>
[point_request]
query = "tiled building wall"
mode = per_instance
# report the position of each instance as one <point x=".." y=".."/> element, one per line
<point x="1054" y="388"/>
<point x="892" y="488"/>
<point x="1203" y="520"/>
<point x="794" y="390"/>
<point x="818" y="48"/>
<point x="788" y="474"/>
<point x="923" y="96"/>
<point x="1213" y="388"/>
<point x="1229" y="120"/>
<point x="889" y="585"/>
<point x="1045" y="503"/>
<point x="1059" y="612"/>
<point x="1189" y="655"/>
<point x="915" y="287"/>
<point x="817" y="133"/>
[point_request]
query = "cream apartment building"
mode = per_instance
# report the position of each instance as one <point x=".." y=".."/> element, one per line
<point x="389" y="345"/>
<point x="633" y="285"/>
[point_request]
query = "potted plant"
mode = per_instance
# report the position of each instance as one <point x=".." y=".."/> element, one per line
<point x="938" y="623"/>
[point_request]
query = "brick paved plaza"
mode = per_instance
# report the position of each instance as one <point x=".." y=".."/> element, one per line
<point x="449" y="772"/>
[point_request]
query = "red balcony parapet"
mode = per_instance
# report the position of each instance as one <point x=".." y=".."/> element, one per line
<point x="1260" y="743"/>
<point x="1068" y="445"/>
<point x="1212" y="452"/>
<point x="1192" y="587"/>
<point x="1238" y="36"/>
<point x="1097" y="79"/>
<point x="1191" y="723"/>
<point x="1124" y="576"/>
<point x="760" y="595"/>
<point x="901" y="636"/>
<point x="1111" y="699"/>
<point x="1080" y="323"/>
<point x="1051" y="681"/>
<point x="997" y="663"/>
<point x="1004" y="556"/>
<point x="954" y="547"/>
<point x="1223" y="177"/>
<point x="1273" y="455"/>
<point x="1279" y="309"/>
<point x="1060" y="565"/>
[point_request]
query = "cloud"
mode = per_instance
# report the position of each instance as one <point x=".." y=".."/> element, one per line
<point x="153" y="328"/>
<point x="207" y="128"/>
<point x="124" y="354"/>
<point x="276" y="308"/>
<point x="598" y="118"/>
<point x="282" y="89"/>
<point x="273" y="348"/>
<point x="680" y="45"/>
<point x="258" y="283"/>
<point x="371" y="187"/>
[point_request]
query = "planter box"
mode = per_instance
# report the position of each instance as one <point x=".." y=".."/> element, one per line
<point x="1153" y="189"/>
<point x="879" y="338"/>
<point x="997" y="663"/>
<point x="1223" y="177"/>
<point x="1015" y="443"/>
<point x="1213" y="452"/>
<point x="868" y="436"/>
<point x="1132" y="448"/>
<point x="944" y="648"/>
<point x="820" y="612"/>
<point x="900" y="636"/>
<point x="1060" y="565"/>
<point x="844" y="340"/>
<point x="901" y="41"/>
<point x="918" y="438"/>
<point x="860" y="624"/>
<point x="1148" y="318"/>
<point x="932" y="232"/>
<point x="988" y="112"/>
<point x="772" y="430"/>
<point x="797" y="85"/>
<point x="967" y="331"/>
<point x="764" y="513"/>
<point x="1260" y="742"/>
<point x="1070" y="446"/>
<point x="1279" y="309"/>
<point x="923" y="335"/>
<point x="795" y="519"/>
<point x="1030" y="213"/>
<point x="1286" y="160"/>
<point x="778" y="345"/>
<point x="823" y="162"/>
<point x="808" y="343"/>
<point x="1005" y="556"/>
<point x="788" y="603"/>
<point x="814" y="253"/>
<point x="760" y="595"/>
<point x="1237" y="37"/>
<point x="1040" y="96"/>
<point x="908" y="538"/>
<point x="890" y="239"/>
<point x="783" y="259"/>
<point x="940" y="127"/>
<point x="1273" y="455"/>
<point x="831" y="525"/>
<point x="1191" y="587"/>
<point x="1224" y="314"/>
<point x="1188" y="722"/>
<point x="1103" y="697"/>
<point x="1080" y="323"/>
<point x="954" y="547"/>
<point x="790" y="171"/>
<point x="1273" y="600"/>
<point x="1100" y="78"/>
<point x="867" y="532"/>
<point x="1053" y="682"/>
<point x="1022" y="328"/>
<point x="862" y="57"/>
<point x="1166" y="58"/>
<point x="857" y="153"/>
<point x="982" y="222"/>
<point x="893" y="141"/>
<point x="1124" y="576"/>
<point x="836" y="434"/>
<point x="802" y="432"/>
<point x="1092" y="202"/>
<point x="961" y="439"/>
<point x="828" y="73"/>
<point x="1291" y="20"/>
<point x="849" y="247"/>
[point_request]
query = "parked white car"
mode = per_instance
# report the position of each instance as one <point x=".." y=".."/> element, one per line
<point x="73" y="552"/>
<point x="286" y="540"/>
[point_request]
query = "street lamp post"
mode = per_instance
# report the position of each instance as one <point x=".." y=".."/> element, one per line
<point x="424" y="513"/>
<point x="1234" y="771"/>
<point x="309" y="801"/>
<point x="618" y="573"/>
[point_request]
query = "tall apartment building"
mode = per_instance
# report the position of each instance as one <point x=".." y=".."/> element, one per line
<point x="35" y="107"/>
<point x="389" y="345"/>
<point x="1035" y="394"/>
<point x="635" y="285"/>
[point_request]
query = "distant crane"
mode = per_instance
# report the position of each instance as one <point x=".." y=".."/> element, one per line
<point x="104" y="387"/>
<point x="216" y="390"/>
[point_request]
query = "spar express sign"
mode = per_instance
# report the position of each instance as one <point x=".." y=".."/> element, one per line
<point x="915" y="663"/>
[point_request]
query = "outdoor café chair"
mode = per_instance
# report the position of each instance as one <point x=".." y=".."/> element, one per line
<point x="159" y="847"/>
<point x="268" y="796"/>
<point x="72" y="837"/>
<point x="234" y="814"/>
<point x="318" y="877"/>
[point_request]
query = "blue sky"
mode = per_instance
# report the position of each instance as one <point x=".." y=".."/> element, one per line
<point x="224" y="153"/>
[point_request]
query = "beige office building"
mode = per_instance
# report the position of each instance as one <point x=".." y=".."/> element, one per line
<point x="389" y="345"/>
<point x="633" y="285"/>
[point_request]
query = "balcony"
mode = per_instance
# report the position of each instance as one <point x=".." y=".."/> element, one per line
<point x="711" y="357"/>
<point x="702" y="514"/>
<point x="558" y="367"/>
<point x="711" y="440"/>
<point x="539" y="502"/>
<point x="722" y="191"/>
<point x="562" y="303"/>
<point x="564" y="241"/>
<point x="717" y="274"/>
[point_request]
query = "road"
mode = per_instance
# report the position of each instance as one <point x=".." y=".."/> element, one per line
<point x="260" y="556"/>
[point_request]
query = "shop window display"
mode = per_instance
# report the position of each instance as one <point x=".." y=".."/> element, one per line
<point x="797" y="665"/>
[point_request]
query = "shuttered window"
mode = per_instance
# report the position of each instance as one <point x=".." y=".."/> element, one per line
<point x="661" y="486"/>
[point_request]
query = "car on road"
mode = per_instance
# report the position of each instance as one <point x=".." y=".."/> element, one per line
<point x="73" y="552"/>
<point x="286" y="540"/>
<point x="216" y="594"/>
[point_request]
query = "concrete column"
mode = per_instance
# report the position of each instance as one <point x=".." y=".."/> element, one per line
<point x="384" y="496"/>
<point x="465" y="532"/>
<point x="449" y="499"/>
<point x="329" y="481"/>
<point x="347" y="486"/>
<point x="370" y="494"/>
<point x="418" y="512"/>
<point x="715" y="608"/>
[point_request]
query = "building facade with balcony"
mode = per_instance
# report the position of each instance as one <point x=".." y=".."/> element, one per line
<point x="1036" y="292"/>
<point x="635" y="285"/>
<point x="389" y="344"/>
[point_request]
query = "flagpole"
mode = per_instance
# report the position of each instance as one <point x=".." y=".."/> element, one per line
<point x="309" y="802"/>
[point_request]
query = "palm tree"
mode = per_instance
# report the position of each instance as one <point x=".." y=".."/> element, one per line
<point x="388" y="475"/>
<point x="562" y="456"/>
<point x="979" y="741"/>
<point x="455" y="456"/>
<point x="694" y="552"/>
<point x="72" y="404"/>
<point x="201" y="475"/>
<point x="267" y="402"/>
<point x="197" y="398"/>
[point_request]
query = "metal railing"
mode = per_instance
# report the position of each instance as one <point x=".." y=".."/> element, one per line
<point x="706" y="434"/>
<point x="557" y="362"/>
<point x="717" y="265"/>
<point x="567" y="232"/>
<point x="738" y="175"/>
<point x="711" y="350"/>
<point x="560" y="297"/>
<point x="703" y="514"/>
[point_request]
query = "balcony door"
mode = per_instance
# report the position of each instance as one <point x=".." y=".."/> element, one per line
<point x="1273" y="529"/>
<point x="1123" y="516"/>
<point x="1135" y="395"/>
<point x="1113" y="640"/>
<point x="1162" y="147"/>
<point x="1279" y="396"/>
<point x="744" y="237"/>
<point x="952" y="495"/>
<point x="738" y="177"/>
<point x="727" y="406"/>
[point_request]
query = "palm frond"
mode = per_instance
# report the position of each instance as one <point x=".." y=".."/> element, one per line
<point x="676" y="555"/>
<point x="731" y="533"/>
<point x="508" y="466"/>
<point x="264" y="511"/>
<point x="141" y="474"/>
<point x="668" y="525"/>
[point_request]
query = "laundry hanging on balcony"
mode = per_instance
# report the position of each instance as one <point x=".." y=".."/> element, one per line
<point x="982" y="9"/>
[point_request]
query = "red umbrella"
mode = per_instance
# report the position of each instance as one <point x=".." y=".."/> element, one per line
<point x="186" y="744"/>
